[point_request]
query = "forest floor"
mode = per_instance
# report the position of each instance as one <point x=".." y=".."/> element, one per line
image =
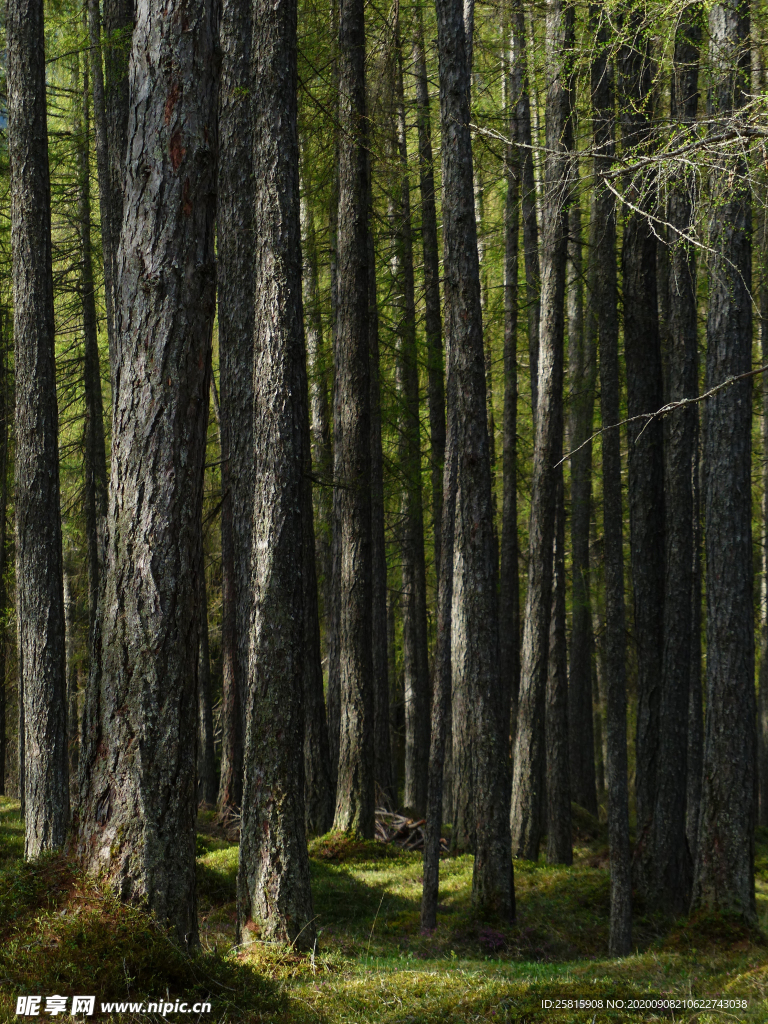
<point x="63" y="934"/>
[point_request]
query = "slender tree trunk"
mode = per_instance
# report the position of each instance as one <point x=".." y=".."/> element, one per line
<point x="274" y="901"/>
<point x="206" y="761"/>
<point x="604" y="211"/>
<point x="352" y="442"/>
<point x="4" y="413"/>
<point x="95" y="451"/>
<point x="582" y="367"/>
<point x="530" y="753"/>
<point x="509" y="580"/>
<point x="432" y="320"/>
<point x="671" y="859"/>
<point x="642" y="351"/>
<point x="234" y="225"/>
<point x="382" y="753"/>
<point x="695" y="756"/>
<point x="762" y="708"/>
<point x="135" y="824"/>
<point x="474" y="613"/>
<point x="39" y="587"/>
<point x="558" y="786"/>
<point x="521" y="96"/>
<point x="70" y="643"/>
<point x="414" y="596"/>
<point x="724" y="871"/>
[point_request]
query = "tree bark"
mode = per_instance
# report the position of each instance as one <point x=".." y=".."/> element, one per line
<point x="642" y="352"/>
<point x="274" y="901"/>
<point x="206" y="761"/>
<point x="530" y="753"/>
<point x="521" y="96"/>
<point x="724" y="871"/>
<point x="414" y="595"/>
<point x="474" y="613"/>
<point x="433" y="327"/>
<point x="234" y="225"/>
<point x="39" y="586"/>
<point x="136" y="821"/>
<point x="582" y="368"/>
<point x="352" y="441"/>
<point x="671" y="859"/>
<point x="604" y="212"/>
<point x="4" y="414"/>
<point x="762" y="707"/>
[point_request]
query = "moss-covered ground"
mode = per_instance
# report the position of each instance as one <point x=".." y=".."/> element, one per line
<point x="63" y="934"/>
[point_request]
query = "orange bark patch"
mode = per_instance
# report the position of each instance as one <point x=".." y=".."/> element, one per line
<point x="177" y="150"/>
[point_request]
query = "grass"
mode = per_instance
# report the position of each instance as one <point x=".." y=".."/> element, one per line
<point x="61" y="933"/>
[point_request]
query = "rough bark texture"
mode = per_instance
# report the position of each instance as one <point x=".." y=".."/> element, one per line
<point x="604" y="211"/>
<point x="530" y="754"/>
<point x="762" y="707"/>
<point x="724" y="872"/>
<point x="234" y="226"/>
<point x="558" y="787"/>
<point x="206" y="761"/>
<point x="695" y="756"/>
<point x="582" y="372"/>
<point x="414" y="594"/>
<point x="352" y="441"/>
<point x="39" y="587"/>
<point x="4" y="414"/>
<point x="136" y="821"/>
<point x="521" y="96"/>
<point x="274" y="901"/>
<point x="671" y="859"/>
<point x="474" y="622"/>
<point x="432" y="320"/>
<point x="642" y="354"/>
<point x="509" y="579"/>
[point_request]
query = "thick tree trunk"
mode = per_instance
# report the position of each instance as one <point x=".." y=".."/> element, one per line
<point x="4" y="414"/>
<point x="642" y="352"/>
<point x="352" y="443"/>
<point x="604" y="212"/>
<point x="724" y="872"/>
<point x="521" y="96"/>
<point x="671" y="859"/>
<point x="95" y="498"/>
<point x="234" y="226"/>
<point x="206" y="761"/>
<point x="414" y="595"/>
<point x="70" y="644"/>
<point x="509" y="579"/>
<point x="137" y="780"/>
<point x="432" y="320"/>
<point x="695" y="756"/>
<point x="762" y="707"/>
<point x="582" y="369"/>
<point x="382" y="752"/>
<point x="39" y="587"/>
<point x="558" y="786"/>
<point x="274" y="901"/>
<point x="530" y="753"/>
<point x="474" y="613"/>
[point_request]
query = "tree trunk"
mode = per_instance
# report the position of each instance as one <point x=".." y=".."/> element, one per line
<point x="273" y="893"/>
<point x="604" y="212"/>
<point x="474" y="617"/>
<point x="642" y="352"/>
<point x="70" y="644"/>
<point x="582" y="368"/>
<point x="724" y="871"/>
<point x="352" y="442"/>
<point x="509" y="579"/>
<point x="432" y="319"/>
<point x="558" y="786"/>
<point x="382" y="753"/>
<point x="234" y="225"/>
<point x="762" y="708"/>
<point x="671" y="884"/>
<point x="95" y="498"/>
<point x="695" y="756"/>
<point x="520" y="96"/>
<point x="414" y="595"/>
<point x="39" y="587"/>
<point x="4" y="413"/>
<point x="530" y="753"/>
<point x="136" y="822"/>
<point x="206" y="761"/>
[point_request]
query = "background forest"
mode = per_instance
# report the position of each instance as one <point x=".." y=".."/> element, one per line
<point x="394" y="393"/>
